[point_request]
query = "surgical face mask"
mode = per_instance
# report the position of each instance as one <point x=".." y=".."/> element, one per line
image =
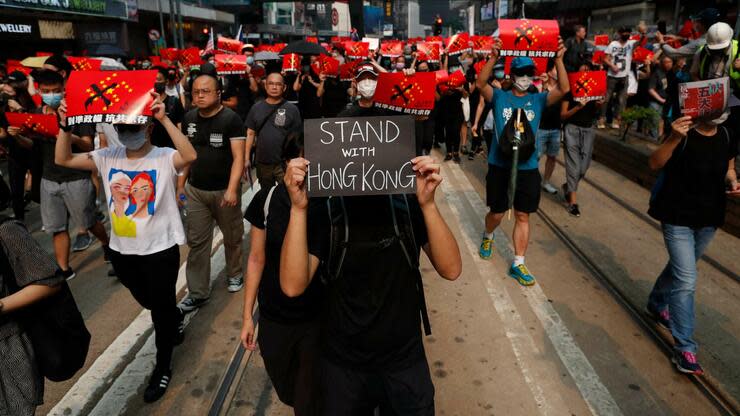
<point x="400" y="65"/>
<point x="52" y="99"/>
<point x="721" y="119"/>
<point x="250" y="60"/>
<point x="522" y="83"/>
<point x="366" y="88"/>
<point x="499" y="74"/>
<point x="133" y="140"/>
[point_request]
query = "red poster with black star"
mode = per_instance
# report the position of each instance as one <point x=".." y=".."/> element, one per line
<point x="84" y="64"/>
<point x="453" y="81"/>
<point x="226" y="45"/>
<point x="326" y="65"/>
<point x="428" y="51"/>
<point x="588" y="85"/>
<point x="601" y="40"/>
<point x="190" y="57"/>
<point x="291" y="62"/>
<point x="357" y="50"/>
<point x="170" y="54"/>
<point x="482" y="44"/>
<point x="641" y="54"/>
<point x="533" y="38"/>
<point x="347" y="70"/>
<point x="109" y="96"/>
<point x="391" y="49"/>
<point x="408" y="94"/>
<point x="458" y="44"/>
<point x="230" y="64"/>
<point x="598" y="57"/>
<point x="43" y="124"/>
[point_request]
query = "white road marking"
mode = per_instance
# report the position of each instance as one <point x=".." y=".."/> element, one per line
<point x="82" y="396"/>
<point x="597" y="396"/>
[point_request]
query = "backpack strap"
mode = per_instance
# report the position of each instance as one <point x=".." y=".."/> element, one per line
<point x="266" y="208"/>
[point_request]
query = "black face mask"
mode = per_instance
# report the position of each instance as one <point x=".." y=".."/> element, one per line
<point x="171" y="76"/>
<point x="159" y="87"/>
<point x="625" y="37"/>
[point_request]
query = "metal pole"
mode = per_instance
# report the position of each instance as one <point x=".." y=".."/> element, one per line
<point x="676" y="12"/>
<point x="179" y="24"/>
<point x="161" y="23"/>
<point x="172" y="23"/>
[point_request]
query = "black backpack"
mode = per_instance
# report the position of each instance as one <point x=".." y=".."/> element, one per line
<point x="517" y="131"/>
<point x="339" y="241"/>
<point x="55" y="326"/>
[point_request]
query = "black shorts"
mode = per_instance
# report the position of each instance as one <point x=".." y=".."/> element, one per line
<point x="527" y="196"/>
<point x="407" y="392"/>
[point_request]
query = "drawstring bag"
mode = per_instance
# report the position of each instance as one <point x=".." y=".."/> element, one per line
<point x="517" y="128"/>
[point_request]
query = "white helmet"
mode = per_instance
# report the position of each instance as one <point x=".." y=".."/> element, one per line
<point x="719" y="36"/>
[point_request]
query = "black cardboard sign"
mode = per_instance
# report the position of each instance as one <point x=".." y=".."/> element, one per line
<point x="360" y="155"/>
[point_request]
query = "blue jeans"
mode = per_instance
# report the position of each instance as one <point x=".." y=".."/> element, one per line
<point x="548" y="142"/>
<point x="676" y="285"/>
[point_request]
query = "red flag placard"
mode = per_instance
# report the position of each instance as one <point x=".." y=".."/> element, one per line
<point x="357" y="50"/>
<point x="340" y="39"/>
<point x="533" y="38"/>
<point x="598" y="57"/>
<point x="458" y="44"/>
<point x="482" y="44"/>
<point x="434" y="39"/>
<point x="227" y="45"/>
<point x="642" y="54"/>
<point x="326" y="65"/>
<point x="441" y="76"/>
<point x="478" y="66"/>
<point x="312" y="39"/>
<point x="347" y="70"/>
<point x="291" y="62"/>
<point x="44" y="54"/>
<point x="190" y="57"/>
<point x="588" y="85"/>
<point x="257" y="71"/>
<point x="408" y="94"/>
<point x="109" y="96"/>
<point x="454" y="80"/>
<point x="391" y="49"/>
<point x="704" y="100"/>
<point x="155" y="60"/>
<point x="227" y="64"/>
<point x="43" y="124"/>
<point x="84" y="64"/>
<point x="429" y="52"/>
<point x="169" y="54"/>
<point x="601" y="40"/>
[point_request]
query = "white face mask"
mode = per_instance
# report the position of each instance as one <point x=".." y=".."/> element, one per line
<point x="523" y="82"/>
<point x="133" y="140"/>
<point x="721" y="119"/>
<point x="366" y="88"/>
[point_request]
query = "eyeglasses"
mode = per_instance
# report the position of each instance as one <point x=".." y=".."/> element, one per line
<point x="205" y="91"/>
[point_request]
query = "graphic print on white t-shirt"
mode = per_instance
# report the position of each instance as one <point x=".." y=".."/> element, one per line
<point x="621" y="57"/>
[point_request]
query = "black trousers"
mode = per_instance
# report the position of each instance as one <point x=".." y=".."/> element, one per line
<point x="407" y="392"/>
<point x="452" y="132"/>
<point x="424" y="136"/>
<point x="291" y="356"/>
<point x="151" y="280"/>
<point x="17" y="169"/>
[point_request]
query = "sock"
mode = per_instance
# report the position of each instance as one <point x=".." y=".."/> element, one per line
<point x="488" y="235"/>
<point x="518" y="260"/>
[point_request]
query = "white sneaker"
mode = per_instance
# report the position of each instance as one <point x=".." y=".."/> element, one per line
<point x="235" y="284"/>
<point x="547" y="186"/>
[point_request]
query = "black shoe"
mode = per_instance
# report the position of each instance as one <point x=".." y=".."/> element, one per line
<point x="456" y="157"/>
<point x="471" y="155"/>
<point x="158" y="384"/>
<point x="448" y="157"/>
<point x="573" y="210"/>
<point x="190" y="304"/>
<point x="69" y="274"/>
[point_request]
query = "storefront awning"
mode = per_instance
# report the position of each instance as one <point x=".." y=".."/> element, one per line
<point x="189" y="11"/>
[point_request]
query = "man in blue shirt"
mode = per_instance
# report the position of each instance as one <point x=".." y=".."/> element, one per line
<point x="527" y="196"/>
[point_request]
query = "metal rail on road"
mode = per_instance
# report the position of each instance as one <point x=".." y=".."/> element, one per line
<point x="709" y="386"/>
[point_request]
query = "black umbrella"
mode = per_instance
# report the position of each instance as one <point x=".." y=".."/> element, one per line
<point x="302" y="47"/>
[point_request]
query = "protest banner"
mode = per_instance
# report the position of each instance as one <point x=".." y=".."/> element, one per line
<point x="84" y="63"/>
<point x="109" y="96"/>
<point x="326" y="65"/>
<point x="229" y="46"/>
<point x="598" y="57"/>
<point x="437" y="39"/>
<point x="601" y="40"/>
<point x="227" y="64"/>
<point x="587" y="85"/>
<point x="391" y="49"/>
<point x="458" y="44"/>
<point x="641" y="54"/>
<point x="360" y="156"/>
<point x="291" y="62"/>
<point x="357" y="50"/>
<point x="533" y="38"/>
<point x="428" y="51"/>
<point x="169" y="54"/>
<point x="43" y="124"/>
<point x="190" y="57"/>
<point x="482" y="44"/>
<point x="704" y="100"/>
<point x="347" y="70"/>
<point x="407" y="94"/>
<point x="312" y="39"/>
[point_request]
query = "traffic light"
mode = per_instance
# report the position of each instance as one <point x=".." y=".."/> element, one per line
<point x="437" y="26"/>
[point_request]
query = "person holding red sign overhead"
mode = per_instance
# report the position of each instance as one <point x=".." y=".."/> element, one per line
<point x="140" y="179"/>
<point x="527" y="196"/>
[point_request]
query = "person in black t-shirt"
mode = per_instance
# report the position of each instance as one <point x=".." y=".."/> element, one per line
<point x="289" y="326"/>
<point x="658" y="92"/>
<point x="173" y="109"/>
<point x="373" y="352"/>
<point x="333" y="95"/>
<point x="689" y="200"/>
<point x="366" y="79"/>
<point x="213" y="190"/>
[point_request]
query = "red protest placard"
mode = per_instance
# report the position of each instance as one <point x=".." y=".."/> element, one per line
<point x="357" y="50"/>
<point x="598" y="57"/>
<point x="482" y="44"/>
<point x="441" y="76"/>
<point x="84" y="64"/>
<point x="347" y="70"/>
<point x="588" y="85"/>
<point x="190" y="57"/>
<point x="635" y="37"/>
<point x="340" y="39"/>
<point x="408" y="94"/>
<point x="43" y="124"/>
<point x="429" y="52"/>
<point x="326" y="65"/>
<point x="458" y="44"/>
<point x="391" y="49"/>
<point x="227" y="64"/>
<point x="704" y="100"/>
<point x="291" y="62"/>
<point x="641" y="54"/>
<point x="312" y="39"/>
<point x="326" y="47"/>
<point x="155" y="60"/>
<point x="478" y="66"/>
<point x="453" y="80"/>
<point x="169" y="54"/>
<point x="227" y="45"/>
<point x="533" y="38"/>
<point x="601" y="40"/>
<point x="44" y="54"/>
<point x="109" y="96"/>
<point x="434" y="39"/>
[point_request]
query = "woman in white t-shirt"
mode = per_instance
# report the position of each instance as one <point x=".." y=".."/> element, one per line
<point x="139" y="181"/>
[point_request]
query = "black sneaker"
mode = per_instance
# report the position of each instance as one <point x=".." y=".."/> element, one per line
<point x="82" y="242"/>
<point x="158" y="383"/>
<point x="448" y="157"/>
<point x="686" y="363"/>
<point x="456" y="157"/>
<point x="180" y="332"/>
<point x="573" y="210"/>
<point x="471" y="155"/>
<point x="190" y="304"/>
<point x="69" y="274"/>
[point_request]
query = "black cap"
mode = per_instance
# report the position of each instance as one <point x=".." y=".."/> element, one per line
<point x="708" y="16"/>
<point x="48" y="77"/>
<point x="59" y="62"/>
<point x="209" y="69"/>
<point x="17" y="76"/>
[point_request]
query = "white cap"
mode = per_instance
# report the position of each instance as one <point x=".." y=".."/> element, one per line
<point x="719" y="36"/>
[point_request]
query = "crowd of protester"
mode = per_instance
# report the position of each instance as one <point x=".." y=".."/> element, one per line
<point x="334" y="277"/>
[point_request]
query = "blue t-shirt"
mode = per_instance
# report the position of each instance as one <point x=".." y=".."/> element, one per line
<point x="504" y="103"/>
